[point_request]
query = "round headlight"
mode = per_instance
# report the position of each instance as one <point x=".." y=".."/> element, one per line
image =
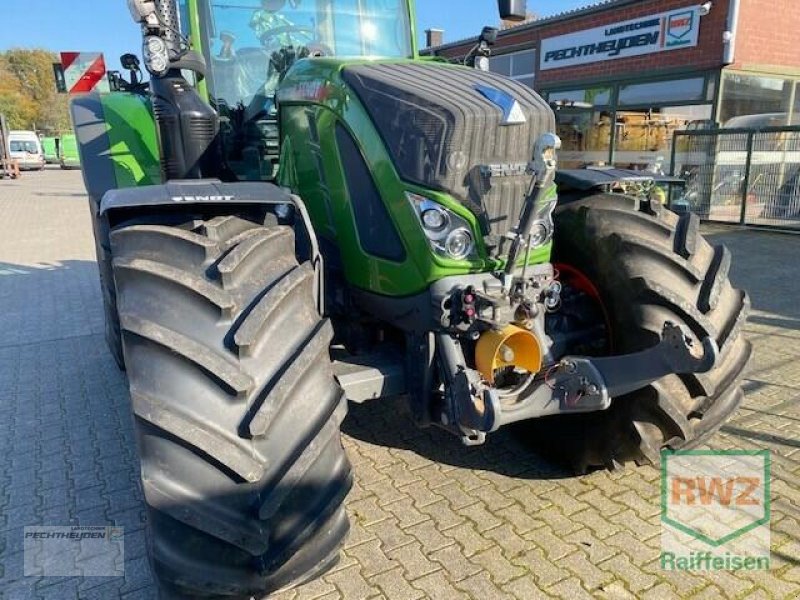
<point x="434" y="219"/>
<point x="156" y="54"/>
<point x="459" y="243"/>
<point x="539" y="234"/>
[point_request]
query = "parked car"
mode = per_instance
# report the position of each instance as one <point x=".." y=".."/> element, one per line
<point x="25" y="148"/>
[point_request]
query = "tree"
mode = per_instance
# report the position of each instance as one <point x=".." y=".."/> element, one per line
<point x="28" y="96"/>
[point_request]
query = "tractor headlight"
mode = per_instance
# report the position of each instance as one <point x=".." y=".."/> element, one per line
<point x="459" y="243"/>
<point x="540" y="234"/>
<point x="156" y="55"/>
<point x="448" y="234"/>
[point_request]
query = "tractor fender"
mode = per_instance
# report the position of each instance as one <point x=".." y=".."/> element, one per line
<point x="214" y="195"/>
<point x="200" y="191"/>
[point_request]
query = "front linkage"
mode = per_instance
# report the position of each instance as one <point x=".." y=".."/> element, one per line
<point x="500" y="318"/>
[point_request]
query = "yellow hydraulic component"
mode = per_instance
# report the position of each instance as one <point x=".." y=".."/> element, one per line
<point x="513" y="346"/>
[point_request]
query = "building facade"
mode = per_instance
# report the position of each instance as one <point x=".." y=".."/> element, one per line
<point x="626" y="74"/>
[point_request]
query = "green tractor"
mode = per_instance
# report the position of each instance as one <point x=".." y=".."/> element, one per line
<point x="297" y="211"/>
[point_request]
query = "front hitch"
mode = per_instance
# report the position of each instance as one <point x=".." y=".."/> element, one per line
<point x="573" y="385"/>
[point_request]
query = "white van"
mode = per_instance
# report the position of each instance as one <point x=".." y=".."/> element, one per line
<point x="26" y="149"/>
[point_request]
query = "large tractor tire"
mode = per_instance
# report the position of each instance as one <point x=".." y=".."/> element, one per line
<point x="109" y="294"/>
<point x="647" y="265"/>
<point x="236" y="408"/>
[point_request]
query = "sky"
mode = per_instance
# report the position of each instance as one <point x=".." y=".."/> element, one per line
<point x="105" y="25"/>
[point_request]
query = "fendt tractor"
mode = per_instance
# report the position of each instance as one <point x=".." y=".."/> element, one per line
<point x="297" y="211"/>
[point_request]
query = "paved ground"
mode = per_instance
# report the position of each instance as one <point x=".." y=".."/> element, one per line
<point x="430" y="518"/>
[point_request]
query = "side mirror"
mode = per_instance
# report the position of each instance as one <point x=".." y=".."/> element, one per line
<point x="512" y="10"/>
<point x="489" y="35"/>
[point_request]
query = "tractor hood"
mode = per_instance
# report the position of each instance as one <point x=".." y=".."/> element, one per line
<point x="462" y="131"/>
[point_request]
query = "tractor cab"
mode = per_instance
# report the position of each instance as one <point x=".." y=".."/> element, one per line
<point x="250" y="46"/>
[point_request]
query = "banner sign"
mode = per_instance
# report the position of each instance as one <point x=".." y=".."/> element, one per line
<point x="671" y="30"/>
<point x="84" y="72"/>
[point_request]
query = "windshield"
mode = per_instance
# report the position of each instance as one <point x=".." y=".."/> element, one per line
<point x="252" y="43"/>
<point x="345" y="27"/>
<point x="20" y="146"/>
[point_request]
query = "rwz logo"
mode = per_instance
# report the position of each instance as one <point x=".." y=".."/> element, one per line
<point x="715" y="509"/>
<point x="709" y="490"/>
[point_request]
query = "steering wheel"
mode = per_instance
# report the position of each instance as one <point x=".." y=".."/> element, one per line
<point x="268" y="36"/>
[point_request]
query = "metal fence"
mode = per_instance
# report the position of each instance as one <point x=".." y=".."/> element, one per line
<point x="749" y="177"/>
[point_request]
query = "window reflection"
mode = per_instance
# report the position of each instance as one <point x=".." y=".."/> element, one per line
<point x="643" y="138"/>
<point x="753" y="96"/>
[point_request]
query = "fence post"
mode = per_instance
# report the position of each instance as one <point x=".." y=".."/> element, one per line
<point x="746" y="187"/>
<point x="675" y="143"/>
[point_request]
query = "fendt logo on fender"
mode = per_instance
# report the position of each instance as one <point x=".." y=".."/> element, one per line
<point x="203" y="198"/>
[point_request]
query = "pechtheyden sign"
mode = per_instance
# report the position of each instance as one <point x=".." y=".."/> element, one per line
<point x="671" y="30"/>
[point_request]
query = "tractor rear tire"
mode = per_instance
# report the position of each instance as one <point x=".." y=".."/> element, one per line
<point x="235" y="406"/>
<point x="648" y="266"/>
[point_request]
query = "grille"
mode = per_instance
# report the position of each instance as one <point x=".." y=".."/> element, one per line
<point x="441" y="132"/>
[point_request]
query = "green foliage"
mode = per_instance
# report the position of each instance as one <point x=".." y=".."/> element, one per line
<point x="28" y="95"/>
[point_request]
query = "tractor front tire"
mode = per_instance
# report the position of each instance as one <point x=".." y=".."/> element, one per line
<point x="649" y="265"/>
<point x="235" y="406"/>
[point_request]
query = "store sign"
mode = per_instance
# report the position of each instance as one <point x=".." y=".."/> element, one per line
<point x="671" y="30"/>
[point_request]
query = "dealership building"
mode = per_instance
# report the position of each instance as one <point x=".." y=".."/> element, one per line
<point x="628" y="73"/>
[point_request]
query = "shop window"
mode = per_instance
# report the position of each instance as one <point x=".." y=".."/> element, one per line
<point x="643" y="138"/>
<point x="585" y="137"/>
<point x="663" y="92"/>
<point x="600" y="96"/>
<point x="517" y="65"/>
<point x="756" y="97"/>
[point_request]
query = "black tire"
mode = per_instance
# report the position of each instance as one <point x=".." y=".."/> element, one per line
<point x="649" y="266"/>
<point x="102" y="242"/>
<point x="236" y="409"/>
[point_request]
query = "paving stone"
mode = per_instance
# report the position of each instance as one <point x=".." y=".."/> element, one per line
<point x="544" y="572"/>
<point x="456" y="497"/>
<point x="592" y="578"/>
<point x="444" y="516"/>
<point x="351" y="584"/>
<point x="469" y="539"/>
<point x="430" y="537"/>
<point x="521" y="521"/>
<point x="614" y="591"/>
<point x="390" y="535"/>
<point x="421" y="495"/>
<point x="635" y="579"/>
<point x="366" y="512"/>
<point x="406" y="514"/>
<point x="553" y="546"/>
<point x="569" y="589"/>
<point x="437" y="587"/>
<point x="499" y="566"/>
<point x="395" y="586"/>
<point x="481" y="586"/>
<point x="371" y="558"/>
<point x="662" y="591"/>
<point x="524" y="588"/>
<point x="385" y="491"/>
<point x="453" y="561"/>
<point x="415" y="564"/>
